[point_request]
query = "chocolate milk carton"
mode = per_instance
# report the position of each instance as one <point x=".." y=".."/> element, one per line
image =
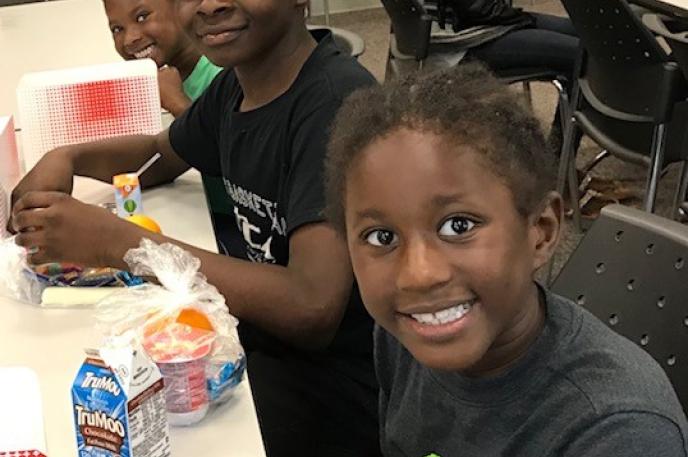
<point x="119" y="405"/>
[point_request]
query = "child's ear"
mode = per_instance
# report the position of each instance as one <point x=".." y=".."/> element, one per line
<point x="547" y="225"/>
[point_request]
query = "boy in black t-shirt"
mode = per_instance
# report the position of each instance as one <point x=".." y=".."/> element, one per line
<point x="262" y="127"/>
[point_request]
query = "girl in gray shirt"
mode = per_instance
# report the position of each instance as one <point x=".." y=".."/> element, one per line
<point x="447" y="207"/>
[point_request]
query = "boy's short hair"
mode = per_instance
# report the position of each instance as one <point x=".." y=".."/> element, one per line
<point x="467" y="105"/>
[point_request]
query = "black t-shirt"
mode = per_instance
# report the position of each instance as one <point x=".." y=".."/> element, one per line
<point x="271" y="162"/>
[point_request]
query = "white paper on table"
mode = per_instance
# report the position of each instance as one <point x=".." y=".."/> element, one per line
<point x="21" y="411"/>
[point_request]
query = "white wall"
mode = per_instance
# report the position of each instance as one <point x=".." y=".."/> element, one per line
<point x="338" y="6"/>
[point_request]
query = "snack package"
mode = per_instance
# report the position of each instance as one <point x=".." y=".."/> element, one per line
<point x="68" y="274"/>
<point x="183" y="324"/>
<point x="55" y="285"/>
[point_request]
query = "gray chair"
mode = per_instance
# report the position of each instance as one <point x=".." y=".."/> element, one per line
<point x="631" y="271"/>
<point x="629" y="96"/>
<point x="347" y="41"/>
<point x="675" y="32"/>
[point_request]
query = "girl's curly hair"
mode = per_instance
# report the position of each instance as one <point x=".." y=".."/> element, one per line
<point x="465" y="104"/>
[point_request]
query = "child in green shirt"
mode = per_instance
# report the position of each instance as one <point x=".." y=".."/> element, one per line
<point x="149" y="29"/>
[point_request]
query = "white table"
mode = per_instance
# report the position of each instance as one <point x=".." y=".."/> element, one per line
<point x="68" y="33"/>
<point x="51" y="341"/>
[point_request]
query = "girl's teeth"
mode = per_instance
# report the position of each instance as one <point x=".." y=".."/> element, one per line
<point x="144" y="53"/>
<point x="445" y="316"/>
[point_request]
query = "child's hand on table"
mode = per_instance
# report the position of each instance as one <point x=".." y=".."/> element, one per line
<point x="172" y="96"/>
<point x="52" y="173"/>
<point x="56" y="227"/>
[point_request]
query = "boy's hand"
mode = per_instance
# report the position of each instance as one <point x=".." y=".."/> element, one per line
<point x="172" y="96"/>
<point x="54" y="172"/>
<point x="55" y="227"/>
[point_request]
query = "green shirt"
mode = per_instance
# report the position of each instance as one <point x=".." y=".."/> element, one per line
<point x="200" y="78"/>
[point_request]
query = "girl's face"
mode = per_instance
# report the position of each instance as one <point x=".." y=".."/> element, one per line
<point x="444" y="260"/>
<point x="145" y="29"/>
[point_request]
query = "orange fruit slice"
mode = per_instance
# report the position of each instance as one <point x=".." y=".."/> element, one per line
<point x="187" y="316"/>
<point x="195" y="319"/>
<point x="145" y="222"/>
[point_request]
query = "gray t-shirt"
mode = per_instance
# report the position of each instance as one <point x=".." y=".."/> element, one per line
<point x="581" y="391"/>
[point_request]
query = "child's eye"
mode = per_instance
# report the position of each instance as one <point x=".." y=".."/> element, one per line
<point x="456" y="225"/>
<point x="115" y="29"/>
<point x="141" y="17"/>
<point x="380" y="237"/>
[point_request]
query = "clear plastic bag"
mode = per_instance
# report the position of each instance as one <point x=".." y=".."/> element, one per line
<point x="182" y="320"/>
<point x="16" y="280"/>
<point x="55" y="285"/>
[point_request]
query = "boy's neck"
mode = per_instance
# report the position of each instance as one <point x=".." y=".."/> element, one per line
<point x="186" y="61"/>
<point x="514" y="343"/>
<point x="267" y="78"/>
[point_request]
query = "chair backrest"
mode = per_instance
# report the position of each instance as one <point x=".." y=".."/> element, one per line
<point x="348" y="42"/>
<point x="675" y="33"/>
<point x="626" y="71"/>
<point x="631" y="271"/>
<point x="410" y="25"/>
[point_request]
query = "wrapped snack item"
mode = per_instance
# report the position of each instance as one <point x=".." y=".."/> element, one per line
<point x="56" y="285"/>
<point x="67" y="274"/>
<point x="183" y="324"/>
<point x="16" y="279"/>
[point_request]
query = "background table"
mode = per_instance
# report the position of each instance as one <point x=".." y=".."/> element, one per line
<point x="48" y="36"/>
<point x="51" y="341"/>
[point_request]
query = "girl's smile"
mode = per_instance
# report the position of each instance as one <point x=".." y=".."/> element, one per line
<point x="442" y="325"/>
<point x="443" y="258"/>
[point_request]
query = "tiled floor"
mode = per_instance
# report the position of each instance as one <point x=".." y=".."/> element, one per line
<point x="373" y="26"/>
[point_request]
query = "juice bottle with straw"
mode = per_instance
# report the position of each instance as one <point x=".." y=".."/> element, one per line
<point x="128" y="190"/>
<point x="127" y="194"/>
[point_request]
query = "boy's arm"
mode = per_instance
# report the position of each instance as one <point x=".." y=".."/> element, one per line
<point x="172" y="96"/>
<point x="302" y="303"/>
<point x="101" y="160"/>
<point x="104" y="159"/>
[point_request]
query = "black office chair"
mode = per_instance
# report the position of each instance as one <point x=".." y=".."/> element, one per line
<point x="631" y="271"/>
<point x="675" y="32"/>
<point x="629" y="97"/>
<point x="412" y="43"/>
<point x="409" y="38"/>
<point x="348" y="42"/>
